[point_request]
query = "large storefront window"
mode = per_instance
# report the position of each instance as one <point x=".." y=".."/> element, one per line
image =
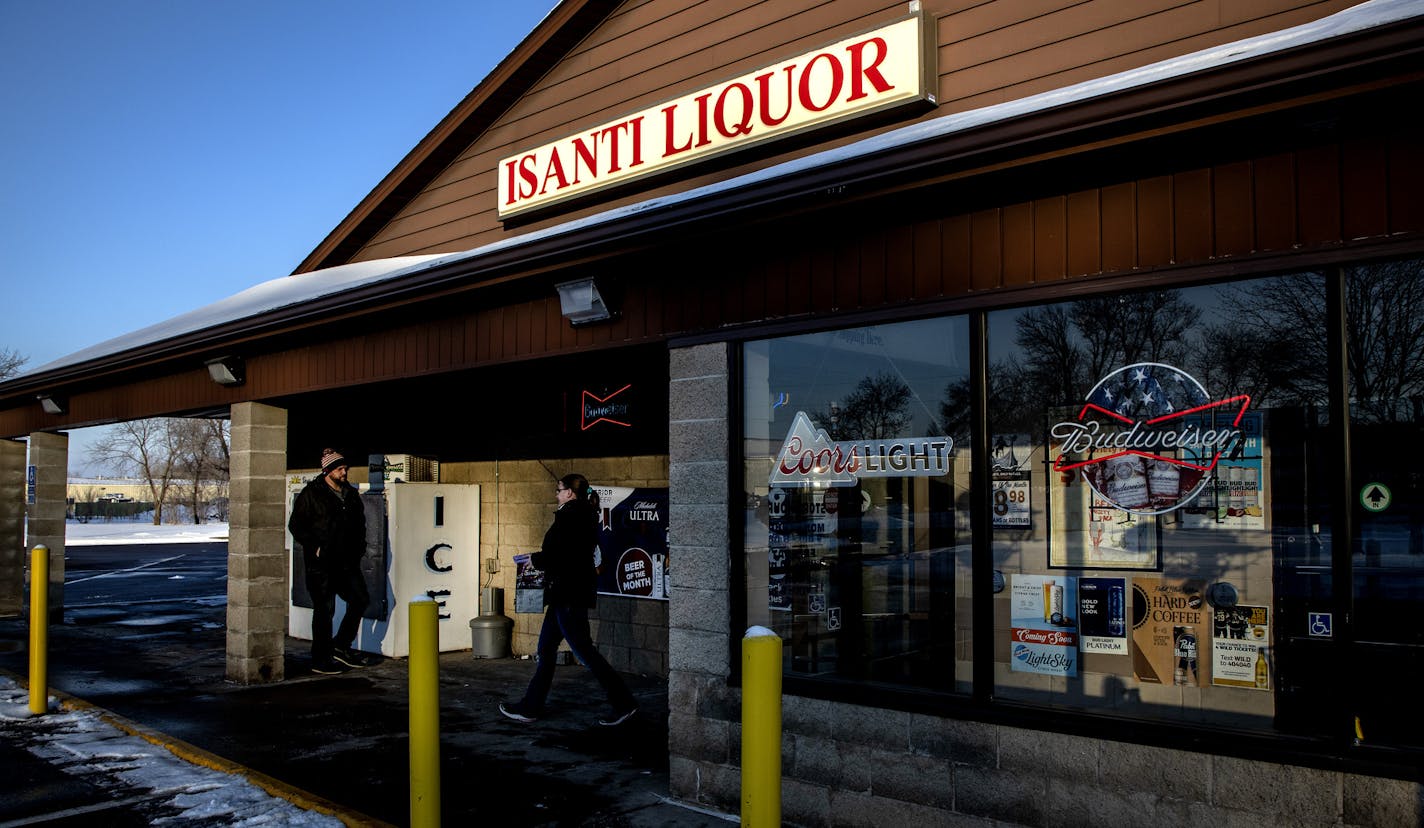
<point x="1158" y="449"/>
<point x="1182" y="524"/>
<point x="857" y="479"/>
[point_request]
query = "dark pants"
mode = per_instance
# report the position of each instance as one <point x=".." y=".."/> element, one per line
<point x="324" y="585"/>
<point x="571" y="624"/>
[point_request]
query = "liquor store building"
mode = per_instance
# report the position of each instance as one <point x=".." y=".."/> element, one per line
<point x="1049" y="377"/>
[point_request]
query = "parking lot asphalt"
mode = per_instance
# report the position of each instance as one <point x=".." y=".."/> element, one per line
<point x="338" y="744"/>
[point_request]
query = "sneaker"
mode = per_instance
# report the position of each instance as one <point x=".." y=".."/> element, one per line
<point x="618" y="718"/>
<point x="517" y="713"/>
<point x="328" y="668"/>
<point x="352" y="658"/>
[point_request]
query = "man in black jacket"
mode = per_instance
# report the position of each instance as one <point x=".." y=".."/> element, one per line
<point x="329" y="521"/>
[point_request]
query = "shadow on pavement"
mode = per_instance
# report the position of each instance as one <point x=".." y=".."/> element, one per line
<point x="343" y="738"/>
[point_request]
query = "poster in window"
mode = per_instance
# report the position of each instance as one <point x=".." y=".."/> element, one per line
<point x="1009" y="469"/>
<point x="1043" y="633"/>
<point x="1236" y="496"/>
<point x="1091" y="533"/>
<point x="1169" y="626"/>
<point x="1010" y="500"/>
<point x="1240" y="636"/>
<point x="1102" y="615"/>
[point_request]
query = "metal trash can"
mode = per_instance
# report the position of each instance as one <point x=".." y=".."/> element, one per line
<point x="490" y="630"/>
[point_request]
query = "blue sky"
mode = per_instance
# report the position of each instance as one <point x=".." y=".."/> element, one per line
<point x="162" y="154"/>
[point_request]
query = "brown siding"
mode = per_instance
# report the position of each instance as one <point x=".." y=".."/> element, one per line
<point x="651" y="50"/>
<point x="1316" y="197"/>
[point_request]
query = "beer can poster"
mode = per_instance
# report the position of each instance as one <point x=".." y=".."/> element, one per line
<point x="1043" y="633"/>
<point x="1102" y="615"/>
<point x="632" y="555"/>
<point x="1240" y="638"/>
<point x="1170" y="622"/>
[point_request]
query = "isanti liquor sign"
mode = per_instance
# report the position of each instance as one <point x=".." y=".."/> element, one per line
<point x="887" y="68"/>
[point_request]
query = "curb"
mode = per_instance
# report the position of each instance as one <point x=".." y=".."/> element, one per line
<point x="197" y="756"/>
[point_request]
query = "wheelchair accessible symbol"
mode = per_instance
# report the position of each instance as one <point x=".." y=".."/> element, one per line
<point x="1321" y="625"/>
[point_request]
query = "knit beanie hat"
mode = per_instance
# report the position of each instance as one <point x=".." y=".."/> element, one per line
<point x="330" y="459"/>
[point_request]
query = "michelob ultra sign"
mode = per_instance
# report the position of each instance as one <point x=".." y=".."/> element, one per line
<point x="810" y="458"/>
<point x="886" y="68"/>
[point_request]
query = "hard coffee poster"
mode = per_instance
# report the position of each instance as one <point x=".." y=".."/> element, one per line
<point x="1169" y="625"/>
<point x="632" y="554"/>
<point x="1043" y="633"/>
<point x="1240" y="637"/>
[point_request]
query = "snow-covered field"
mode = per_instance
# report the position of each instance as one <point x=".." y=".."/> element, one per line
<point x="99" y="532"/>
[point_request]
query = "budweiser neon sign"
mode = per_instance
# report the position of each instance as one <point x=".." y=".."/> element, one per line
<point x="889" y="67"/>
<point x="810" y="458"/>
<point x="608" y="409"/>
<point x="1148" y="437"/>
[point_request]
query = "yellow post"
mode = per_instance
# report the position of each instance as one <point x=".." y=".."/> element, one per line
<point x="39" y="629"/>
<point x="761" y="728"/>
<point x="424" y="664"/>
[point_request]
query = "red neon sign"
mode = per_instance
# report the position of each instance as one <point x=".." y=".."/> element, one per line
<point x="594" y="409"/>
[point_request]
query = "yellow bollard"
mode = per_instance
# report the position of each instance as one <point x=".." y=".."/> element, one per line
<point x="424" y="664"/>
<point x="39" y="629"/>
<point x="761" y="728"/>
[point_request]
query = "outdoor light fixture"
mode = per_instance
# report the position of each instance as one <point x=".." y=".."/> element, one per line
<point x="227" y="370"/>
<point x="581" y="303"/>
<point x="51" y="404"/>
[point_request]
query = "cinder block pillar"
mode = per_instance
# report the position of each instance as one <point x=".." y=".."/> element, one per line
<point x="12" y="527"/>
<point x="49" y="454"/>
<point x="700" y="542"/>
<point x="256" y="554"/>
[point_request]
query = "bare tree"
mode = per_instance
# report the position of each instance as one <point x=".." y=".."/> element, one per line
<point x="145" y="448"/>
<point x="877" y="408"/>
<point x="11" y="361"/>
<point x="203" y="459"/>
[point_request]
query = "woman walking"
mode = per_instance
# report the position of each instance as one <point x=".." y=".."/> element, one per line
<point x="570" y="587"/>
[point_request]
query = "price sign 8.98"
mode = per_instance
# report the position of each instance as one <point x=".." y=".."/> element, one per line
<point x="1010" y="502"/>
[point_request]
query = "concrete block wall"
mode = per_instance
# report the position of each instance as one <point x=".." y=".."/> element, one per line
<point x="845" y="765"/>
<point x="849" y="765"/>
<point x="13" y="554"/>
<point x="516" y="508"/>
<point x="49" y="454"/>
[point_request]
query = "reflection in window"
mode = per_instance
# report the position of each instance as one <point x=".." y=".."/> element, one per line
<point x="1385" y="318"/>
<point x="857" y="495"/>
<point x="1159" y="453"/>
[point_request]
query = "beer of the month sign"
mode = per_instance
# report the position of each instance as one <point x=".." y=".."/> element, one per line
<point x="632" y="555"/>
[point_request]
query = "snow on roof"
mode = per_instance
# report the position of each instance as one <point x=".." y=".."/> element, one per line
<point x="287" y="291"/>
<point x="268" y="296"/>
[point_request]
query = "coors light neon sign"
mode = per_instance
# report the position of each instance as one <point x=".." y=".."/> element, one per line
<point x="810" y="458"/>
<point x="1148" y="437"/>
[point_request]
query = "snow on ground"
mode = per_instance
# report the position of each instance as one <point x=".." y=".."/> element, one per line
<point x="81" y="743"/>
<point x="102" y="532"/>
